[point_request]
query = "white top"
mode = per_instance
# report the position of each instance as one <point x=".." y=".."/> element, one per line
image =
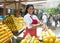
<point x="53" y="23"/>
<point x="44" y="18"/>
<point x="28" y="20"/>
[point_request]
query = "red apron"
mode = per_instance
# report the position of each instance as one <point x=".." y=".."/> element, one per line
<point x="32" y="32"/>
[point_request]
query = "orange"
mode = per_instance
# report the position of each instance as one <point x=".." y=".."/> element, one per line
<point x="49" y="31"/>
<point x="51" y="41"/>
<point x="56" y="41"/>
<point x="53" y="37"/>
<point x="45" y="40"/>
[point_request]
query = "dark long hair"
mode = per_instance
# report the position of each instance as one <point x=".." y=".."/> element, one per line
<point x="29" y="5"/>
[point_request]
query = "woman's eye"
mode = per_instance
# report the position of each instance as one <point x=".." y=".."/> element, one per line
<point x="31" y="9"/>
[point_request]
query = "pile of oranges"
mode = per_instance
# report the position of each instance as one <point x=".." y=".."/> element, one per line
<point x="49" y="37"/>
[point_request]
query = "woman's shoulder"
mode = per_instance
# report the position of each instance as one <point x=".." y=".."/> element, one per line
<point x="26" y="16"/>
<point x="34" y="16"/>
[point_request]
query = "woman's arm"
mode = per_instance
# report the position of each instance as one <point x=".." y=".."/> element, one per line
<point x="33" y="26"/>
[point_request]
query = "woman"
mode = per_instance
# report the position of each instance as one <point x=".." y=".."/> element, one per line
<point x="31" y="21"/>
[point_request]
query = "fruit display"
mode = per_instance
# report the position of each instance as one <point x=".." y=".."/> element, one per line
<point x="14" y="23"/>
<point x="5" y="34"/>
<point x="49" y="37"/>
<point x="30" y="39"/>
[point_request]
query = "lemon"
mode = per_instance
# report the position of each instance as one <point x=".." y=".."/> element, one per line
<point x="36" y="41"/>
<point x="51" y="41"/>
<point x="56" y="41"/>
<point x="45" y="40"/>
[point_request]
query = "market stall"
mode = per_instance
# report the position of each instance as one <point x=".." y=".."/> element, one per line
<point x="13" y="26"/>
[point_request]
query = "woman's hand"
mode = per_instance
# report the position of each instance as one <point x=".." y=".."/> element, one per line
<point x="33" y="26"/>
<point x="45" y="28"/>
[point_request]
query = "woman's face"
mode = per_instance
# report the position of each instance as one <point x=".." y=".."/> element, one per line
<point x="30" y="10"/>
